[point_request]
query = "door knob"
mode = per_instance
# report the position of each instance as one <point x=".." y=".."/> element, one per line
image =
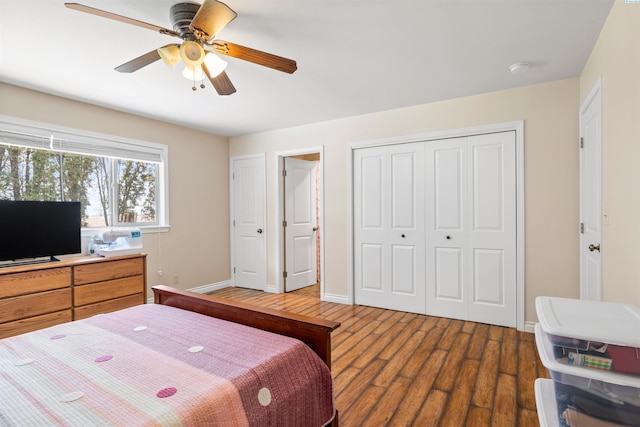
<point x="259" y="230"/>
<point x="593" y="247"/>
<point x="315" y="228"/>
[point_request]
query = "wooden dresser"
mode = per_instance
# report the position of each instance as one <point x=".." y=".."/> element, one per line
<point x="40" y="295"/>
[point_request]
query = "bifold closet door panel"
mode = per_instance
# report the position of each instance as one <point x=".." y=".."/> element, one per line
<point x="471" y="228"/>
<point x="389" y="227"/>
<point x="447" y="293"/>
<point x="492" y="229"/>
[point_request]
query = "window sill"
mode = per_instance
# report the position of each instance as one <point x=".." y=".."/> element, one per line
<point x="90" y="232"/>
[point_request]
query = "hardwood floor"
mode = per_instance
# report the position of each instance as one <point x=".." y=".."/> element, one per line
<point x="309" y="291"/>
<point x="401" y="369"/>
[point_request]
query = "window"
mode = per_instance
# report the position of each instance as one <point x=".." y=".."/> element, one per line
<point x="119" y="182"/>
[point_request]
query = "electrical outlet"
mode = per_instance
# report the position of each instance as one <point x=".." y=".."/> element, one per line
<point x="159" y="273"/>
<point x="175" y="279"/>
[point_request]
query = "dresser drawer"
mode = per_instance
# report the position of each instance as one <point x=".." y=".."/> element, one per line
<point x="107" y="270"/>
<point x="34" y="281"/>
<point x="101" y="291"/>
<point x="107" y="306"/>
<point x="29" y="324"/>
<point x="32" y="305"/>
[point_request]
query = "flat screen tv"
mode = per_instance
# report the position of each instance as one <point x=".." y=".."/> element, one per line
<point x="31" y="229"/>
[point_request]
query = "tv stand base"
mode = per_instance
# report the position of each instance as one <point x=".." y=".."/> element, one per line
<point x="28" y="261"/>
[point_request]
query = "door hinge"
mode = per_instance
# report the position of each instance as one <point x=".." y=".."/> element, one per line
<point x="581" y="142"/>
<point x="234" y="270"/>
<point x="582" y="227"/>
<point x="284" y="274"/>
<point x="284" y="172"/>
<point x="233" y="175"/>
<point x="284" y="223"/>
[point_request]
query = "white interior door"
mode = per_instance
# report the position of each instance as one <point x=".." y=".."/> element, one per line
<point x="301" y="263"/>
<point x="248" y="231"/>
<point x="591" y="196"/>
<point x="389" y="227"/>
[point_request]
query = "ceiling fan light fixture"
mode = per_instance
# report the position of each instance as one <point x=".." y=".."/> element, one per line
<point x="170" y="55"/>
<point x="192" y="53"/>
<point x="197" y="25"/>
<point x="215" y="64"/>
<point x="193" y="73"/>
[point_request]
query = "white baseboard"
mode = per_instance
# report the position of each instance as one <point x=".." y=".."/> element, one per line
<point x="340" y="299"/>
<point x="211" y="287"/>
<point x="271" y="289"/>
<point x="529" y="327"/>
<point x="204" y="289"/>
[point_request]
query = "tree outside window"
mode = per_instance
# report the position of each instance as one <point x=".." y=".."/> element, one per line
<point x="112" y="191"/>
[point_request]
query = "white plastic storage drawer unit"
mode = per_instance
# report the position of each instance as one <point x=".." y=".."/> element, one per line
<point x="584" y="394"/>
<point x="594" y="334"/>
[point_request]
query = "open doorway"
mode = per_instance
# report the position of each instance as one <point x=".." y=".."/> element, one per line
<point x="301" y="235"/>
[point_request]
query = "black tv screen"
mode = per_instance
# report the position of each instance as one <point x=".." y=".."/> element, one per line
<point x="33" y="229"/>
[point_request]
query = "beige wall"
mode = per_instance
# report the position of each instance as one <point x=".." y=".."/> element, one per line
<point x="196" y="248"/>
<point x="550" y="119"/>
<point x="616" y="59"/>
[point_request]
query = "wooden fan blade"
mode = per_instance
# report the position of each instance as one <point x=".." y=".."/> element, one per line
<point x="256" y="56"/>
<point x="221" y="82"/>
<point x="139" y="62"/>
<point x="211" y="18"/>
<point x="115" y="17"/>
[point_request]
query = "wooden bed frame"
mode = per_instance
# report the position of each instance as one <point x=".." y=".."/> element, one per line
<point x="314" y="332"/>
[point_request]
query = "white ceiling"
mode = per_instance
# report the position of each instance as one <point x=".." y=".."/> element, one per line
<point x="354" y="56"/>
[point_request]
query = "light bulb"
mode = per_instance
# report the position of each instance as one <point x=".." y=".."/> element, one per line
<point x="170" y="55"/>
<point x="193" y="73"/>
<point x="215" y="64"/>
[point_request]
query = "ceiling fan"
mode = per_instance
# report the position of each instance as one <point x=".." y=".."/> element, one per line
<point x="197" y="25"/>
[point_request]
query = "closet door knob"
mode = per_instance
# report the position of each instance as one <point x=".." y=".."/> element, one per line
<point x="593" y="247"/>
<point x="448" y="237"/>
<point x="259" y="230"/>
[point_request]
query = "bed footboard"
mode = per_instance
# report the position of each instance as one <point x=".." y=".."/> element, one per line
<point x="314" y="332"/>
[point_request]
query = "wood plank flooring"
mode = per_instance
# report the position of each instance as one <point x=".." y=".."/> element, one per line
<point x="401" y="369"/>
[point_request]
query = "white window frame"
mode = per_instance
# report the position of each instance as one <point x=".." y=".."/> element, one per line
<point x="96" y="144"/>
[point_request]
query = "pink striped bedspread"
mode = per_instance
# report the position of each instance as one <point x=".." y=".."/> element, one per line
<point x="158" y="365"/>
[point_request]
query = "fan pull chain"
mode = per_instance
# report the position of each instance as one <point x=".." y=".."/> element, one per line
<point x="193" y="88"/>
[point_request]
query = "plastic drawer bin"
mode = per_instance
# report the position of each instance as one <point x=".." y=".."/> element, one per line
<point x="594" y="334"/>
<point x="546" y="405"/>
<point x="585" y="394"/>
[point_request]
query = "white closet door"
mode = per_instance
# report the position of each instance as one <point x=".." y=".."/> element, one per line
<point x="470" y="228"/>
<point x="389" y="227"/>
<point x="446" y="228"/>
<point x="492" y="228"/>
